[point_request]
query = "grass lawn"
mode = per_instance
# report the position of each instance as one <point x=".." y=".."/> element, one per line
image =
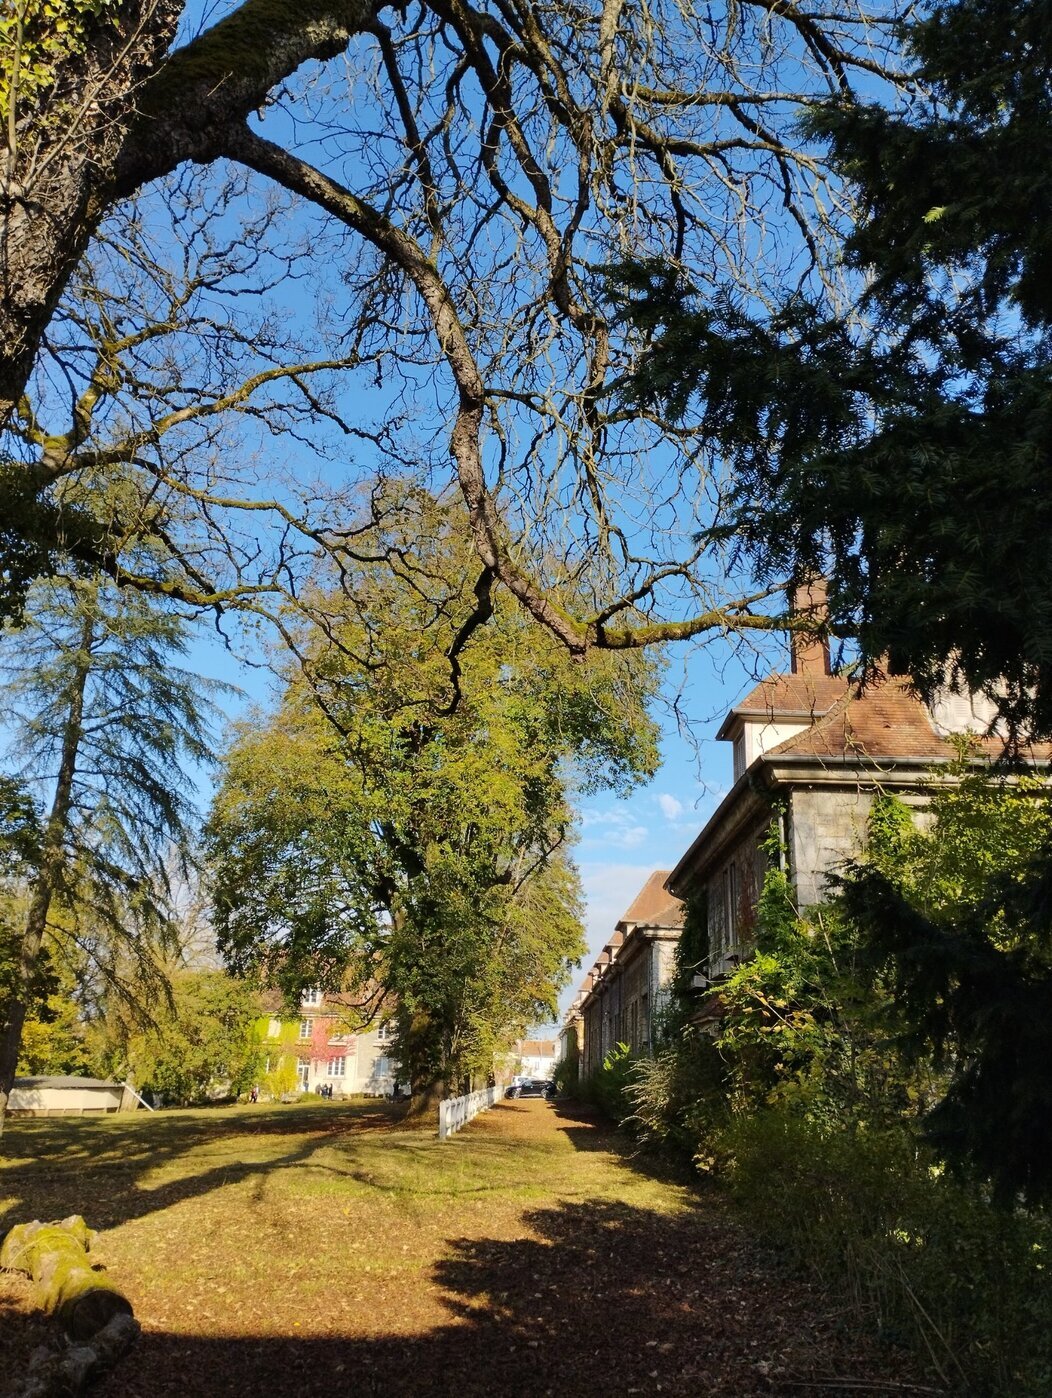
<point x="327" y="1249"/>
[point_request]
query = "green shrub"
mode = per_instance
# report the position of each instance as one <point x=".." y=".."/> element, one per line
<point x="607" y="1086"/>
<point x="567" y="1075"/>
<point x="677" y="1097"/>
<point x="921" y="1254"/>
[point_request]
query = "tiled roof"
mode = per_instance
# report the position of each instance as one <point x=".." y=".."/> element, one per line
<point x="884" y="724"/>
<point x="537" y="1048"/>
<point x="653" y="905"/>
<point x="804" y="695"/>
<point x="883" y="721"/>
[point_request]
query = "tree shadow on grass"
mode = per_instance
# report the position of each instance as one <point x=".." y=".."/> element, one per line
<point x="589" y="1130"/>
<point x="103" y="1168"/>
<point x="594" y="1297"/>
<point x="603" y="1298"/>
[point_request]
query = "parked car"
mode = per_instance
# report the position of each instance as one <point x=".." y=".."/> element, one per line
<point x="532" y="1087"/>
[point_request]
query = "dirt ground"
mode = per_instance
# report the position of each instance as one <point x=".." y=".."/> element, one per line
<point x="331" y="1253"/>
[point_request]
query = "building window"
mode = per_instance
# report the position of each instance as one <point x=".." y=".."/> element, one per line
<point x="732" y="905"/>
<point x="311" y="999"/>
<point x="337" y="1067"/>
<point x="274" y="1029"/>
<point x="385" y="1031"/>
<point x="304" y="1028"/>
<point x="739" y="756"/>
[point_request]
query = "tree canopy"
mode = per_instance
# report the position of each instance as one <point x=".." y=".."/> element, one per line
<point x="900" y="445"/>
<point x="957" y="919"/>
<point x="105" y="724"/>
<point x="463" y="174"/>
<point x="391" y="827"/>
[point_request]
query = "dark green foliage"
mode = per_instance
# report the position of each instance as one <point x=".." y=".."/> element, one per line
<point x="959" y="925"/>
<point x="963" y="182"/>
<point x="920" y="1254"/>
<point x="19" y="828"/>
<point x="910" y="461"/>
<point x="609" y="1087"/>
<point x="985" y="1011"/>
<point x="867" y="1045"/>
<point x="20" y="834"/>
<point x="104" y="722"/>
<point x="144" y="720"/>
<point x="39" y="538"/>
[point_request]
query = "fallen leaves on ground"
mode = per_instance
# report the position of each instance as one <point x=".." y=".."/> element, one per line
<point x="324" y="1252"/>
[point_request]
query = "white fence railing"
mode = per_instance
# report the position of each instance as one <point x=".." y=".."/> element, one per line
<point x="456" y="1112"/>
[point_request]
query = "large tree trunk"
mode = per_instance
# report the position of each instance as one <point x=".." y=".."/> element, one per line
<point x="425" y="1099"/>
<point x="122" y="111"/>
<point x="57" y="172"/>
<point x="49" y="872"/>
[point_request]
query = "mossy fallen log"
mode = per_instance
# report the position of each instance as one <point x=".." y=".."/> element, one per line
<point x="82" y="1298"/>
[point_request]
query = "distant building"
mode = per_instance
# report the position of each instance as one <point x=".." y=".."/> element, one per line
<point x="622" y="995"/>
<point x="68" y="1096"/>
<point x="535" y="1058"/>
<point x="324" y="1046"/>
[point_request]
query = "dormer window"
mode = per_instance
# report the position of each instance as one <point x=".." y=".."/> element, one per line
<point x="311" y="999"/>
<point x="955" y="711"/>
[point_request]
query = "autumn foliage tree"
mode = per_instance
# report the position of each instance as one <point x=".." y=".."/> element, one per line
<point x="392" y="824"/>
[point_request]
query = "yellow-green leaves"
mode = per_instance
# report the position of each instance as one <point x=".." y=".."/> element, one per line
<point x="36" y="38"/>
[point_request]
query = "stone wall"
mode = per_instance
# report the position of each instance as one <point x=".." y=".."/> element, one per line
<point x="826" y="827"/>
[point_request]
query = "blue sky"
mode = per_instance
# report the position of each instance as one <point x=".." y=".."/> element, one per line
<point x="621" y="842"/>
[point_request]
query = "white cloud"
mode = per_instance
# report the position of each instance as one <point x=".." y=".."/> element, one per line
<point x="614" y="828"/>
<point x="671" y="809"/>
<point x="629" y="838"/>
<point x="613" y="815"/>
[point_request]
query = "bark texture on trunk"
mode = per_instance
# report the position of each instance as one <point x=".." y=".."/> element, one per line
<point x="58" y="156"/>
<point x="424" y="1101"/>
<point x="123" y="110"/>
<point x="64" y="1371"/>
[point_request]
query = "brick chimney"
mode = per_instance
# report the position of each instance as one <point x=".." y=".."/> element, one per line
<point x="810" y="653"/>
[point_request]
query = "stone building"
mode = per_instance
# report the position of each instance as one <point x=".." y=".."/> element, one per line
<point x="811" y="753"/>
<point x="621" y="996"/>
